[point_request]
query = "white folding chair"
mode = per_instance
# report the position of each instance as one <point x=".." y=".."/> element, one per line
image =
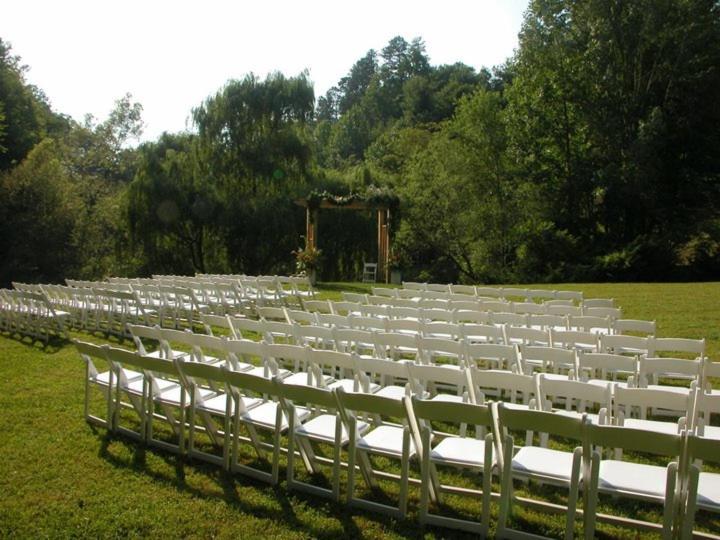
<point x="546" y="465"/>
<point x="386" y="438"/>
<point x="160" y="386"/>
<point x="556" y="362"/>
<point x="350" y="340"/>
<point x="105" y="381"/>
<point x="438" y="383"/>
<point x="598" y="368"/>
<point x="439" y="448"/>
<point x="702" y="488"/>
<point x="631" y="405"/>
<point x="624" y="326"/>
<point x="257" y="411"/>
<point x="397" y="346"/>
<point x="633" y="480"/>
<point x="334" y="369"/>
<point x="483" y="333"/>
<point x="657" y="372"/>
<point x="625" y="344"/>
<point x="436" y="350"/>
<point x="385" y="374"/>
<point x="577" y="398"/>
<point x="198" y="378"/>
<point x="576" y="340"/>
<point x="521" y="335"/>
<point x="319" y="337"/>
<point x="322" y="425"/>
<point x="493" y="356"/>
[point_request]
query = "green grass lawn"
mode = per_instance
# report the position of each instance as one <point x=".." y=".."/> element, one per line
<point x="60" y="477"/>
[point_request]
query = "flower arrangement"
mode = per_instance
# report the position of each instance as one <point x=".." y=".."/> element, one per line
<point x="307" y="259"/>
<point x="395" y="261"/>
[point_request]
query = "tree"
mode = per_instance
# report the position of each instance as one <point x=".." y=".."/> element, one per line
<point x="462" y="213"/>
<point x="612" y="109"/>
<point x="254" y="132"/>
<point x="37" y="215"/>
<point x="25" y="116"/>
<point x="172" y="206"/>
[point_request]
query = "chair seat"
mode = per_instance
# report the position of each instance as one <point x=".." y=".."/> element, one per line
<point x="447" y="397"/>
<point x="555" y="376"/>
<point x="709" y="491"/>
<point x="215" y="405"/>
<point x="460" y="451"/>
<point x="301" y="377"/>
<point x="633" y="478"/>
<point x="385" y="440"/>
<point x="535" y="460"/>
<point x="711" y="432"/>
<point x="652" y="425"/>
<point x="603" y="383"/>
<point x="393" y="392"/>
<point x="173" y="394"/>
<point x="136" y="386"/>
<point x="264" y="415"/>
<point x="322" y="428"/>
<point x="348" y="385"/>
<point x="259" y="371"/>
<point x="103" y="379"/>
<point x="677" y="389"/>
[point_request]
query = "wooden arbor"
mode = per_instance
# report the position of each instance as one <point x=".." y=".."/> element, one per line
<point x="351" y="202"/>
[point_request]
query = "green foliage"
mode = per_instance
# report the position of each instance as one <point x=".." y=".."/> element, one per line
<point x="253" y="132"/>
<point x="592" y="154"/>
<point x="25" y="116"/>
<point x="173" y="205"/>
<point x="39" y="203"/>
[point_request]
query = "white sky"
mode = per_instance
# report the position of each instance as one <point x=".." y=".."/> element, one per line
<point x="170" y="55"/>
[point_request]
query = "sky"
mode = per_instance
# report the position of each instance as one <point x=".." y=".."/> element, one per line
<point x="171" y="55"/>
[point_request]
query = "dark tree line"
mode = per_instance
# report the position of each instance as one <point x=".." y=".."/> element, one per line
<point x="591" y="154"/>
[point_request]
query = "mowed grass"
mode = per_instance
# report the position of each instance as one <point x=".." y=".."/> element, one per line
<point x="60" y="477"/>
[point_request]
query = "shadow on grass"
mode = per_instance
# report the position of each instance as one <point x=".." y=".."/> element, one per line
<point x="51" y="346"/>
<point x="235" y="492"/>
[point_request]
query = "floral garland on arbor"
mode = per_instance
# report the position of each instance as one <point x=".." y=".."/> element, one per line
<point x="374" y="197"/>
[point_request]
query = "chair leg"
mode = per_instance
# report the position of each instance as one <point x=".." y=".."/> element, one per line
<point x="290" y="471"/>
<point x="336" y="461"/>
<point x="404" y="472"/>
<point x="669" y="511"/>
<point x="691" y="503"/>
<point x="351" y="464"/>
<point x="592" y="497"/>
<point x="573" y="495"/>
<point x="505" y="488"/>
<point x="425" y="476"/>
<point x="276" y="447"/>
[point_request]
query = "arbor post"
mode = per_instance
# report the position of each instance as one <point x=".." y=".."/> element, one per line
<point x="311" y="218"/>
<point x="383" y="244"/>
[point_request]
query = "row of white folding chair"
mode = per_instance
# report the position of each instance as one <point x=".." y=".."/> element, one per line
<point x="453" y="301"/>
<point x="246" y="402"/>
<point x="114" y="302"/>
<point x="602" y="322"/>
<point x="537" y="342"/>
<point x="494" y="292"/>
<point x="30" y="313"/>
<point x="583" y="342"/>
<point x="297" y="358"/>
<point x="76" y="302"/>
<point x="263" y="290"/>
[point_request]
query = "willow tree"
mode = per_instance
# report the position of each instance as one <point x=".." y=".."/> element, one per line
<point x="173" y="207"/>
<point x="253" y="136"/>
